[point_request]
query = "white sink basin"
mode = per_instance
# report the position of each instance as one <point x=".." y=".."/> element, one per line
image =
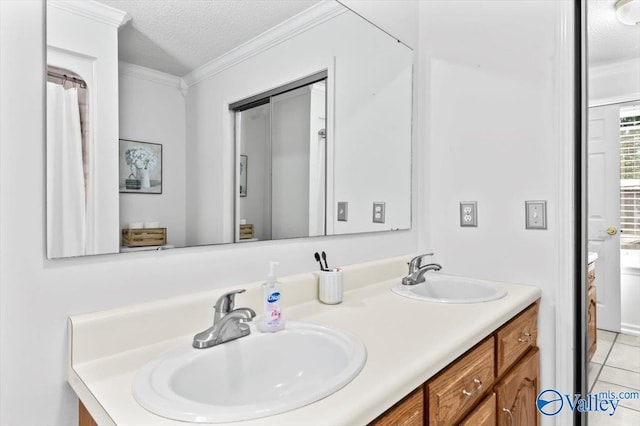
<point x="451" y="289"/>
<point x="255" y="376"/>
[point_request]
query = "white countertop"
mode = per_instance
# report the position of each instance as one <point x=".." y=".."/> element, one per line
<point x="408" y="341"/>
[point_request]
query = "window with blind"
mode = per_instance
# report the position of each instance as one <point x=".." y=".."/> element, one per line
<point x="630" y="177"/>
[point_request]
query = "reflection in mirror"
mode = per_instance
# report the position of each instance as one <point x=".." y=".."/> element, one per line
<point x="172" y="83"/>
<point x="284" y="137"/>
<point x="67" y="164"/>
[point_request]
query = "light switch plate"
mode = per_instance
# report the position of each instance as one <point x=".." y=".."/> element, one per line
<point x="536" y="214"/>
<point x="378" y="212"/>
<point x="469" y="213"/>
<point x="343" y="211"/>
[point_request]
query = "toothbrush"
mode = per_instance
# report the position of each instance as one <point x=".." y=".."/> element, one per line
<point x="324" y="257"/>
<point x="317" y="256"/>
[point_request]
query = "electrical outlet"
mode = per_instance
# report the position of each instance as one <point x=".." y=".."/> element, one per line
<point x="378" y="212"/>
<point x="469" y="213"/>
<point x="343" y="211"/>
<point x="536" y="214"/>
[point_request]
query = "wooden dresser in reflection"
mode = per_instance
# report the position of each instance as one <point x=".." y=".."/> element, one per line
<point x="592" y="339"/>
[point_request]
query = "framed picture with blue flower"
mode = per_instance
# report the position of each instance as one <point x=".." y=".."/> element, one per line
<point x="140" y="167"/>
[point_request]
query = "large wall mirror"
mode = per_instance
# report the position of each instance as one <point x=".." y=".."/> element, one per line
<point x="181" y="123"/>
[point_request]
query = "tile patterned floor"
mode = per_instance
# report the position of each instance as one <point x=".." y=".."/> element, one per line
<point x="616" y="367"/>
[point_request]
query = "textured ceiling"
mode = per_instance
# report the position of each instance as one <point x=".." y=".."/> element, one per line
<point x="608" y="39"/>
<point x="176" y="36"/>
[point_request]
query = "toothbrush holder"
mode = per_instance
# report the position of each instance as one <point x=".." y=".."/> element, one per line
<point x="330" y="286"/>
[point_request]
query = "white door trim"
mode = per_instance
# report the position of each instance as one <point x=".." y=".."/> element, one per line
<point x="565" y="352"/>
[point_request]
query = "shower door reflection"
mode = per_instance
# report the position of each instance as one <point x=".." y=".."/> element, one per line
<point x="283" y="144"/>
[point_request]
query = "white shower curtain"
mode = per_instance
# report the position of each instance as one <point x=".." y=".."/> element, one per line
<point x="66" y="206"/>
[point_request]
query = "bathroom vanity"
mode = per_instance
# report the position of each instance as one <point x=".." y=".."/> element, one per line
<point x="497" y="378"/>
<point x="426" y="362"/>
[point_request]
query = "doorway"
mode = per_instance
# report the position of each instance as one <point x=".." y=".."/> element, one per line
<point x="614" y="236"/>
<point x="613" y="210"/>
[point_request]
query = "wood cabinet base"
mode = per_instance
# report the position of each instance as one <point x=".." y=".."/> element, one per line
<point x="84" y="418"/>
<point x="408" y="412"/>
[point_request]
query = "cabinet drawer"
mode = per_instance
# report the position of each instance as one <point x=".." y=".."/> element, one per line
<point x="591" y="275"/>
<point x="515" y="338"/>
<point x="408" y="412"/>
<point x="484" y="414"/>
<point x="452" y="393"/>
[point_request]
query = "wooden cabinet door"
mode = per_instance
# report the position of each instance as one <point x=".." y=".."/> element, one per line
<point x="591" y="275"/>
<point x="517" y="393"/>
<point x="484" y="414"/>
<point x="591" y="321"/>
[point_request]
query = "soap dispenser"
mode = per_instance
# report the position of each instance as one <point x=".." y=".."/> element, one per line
<point x="272" y="318"/>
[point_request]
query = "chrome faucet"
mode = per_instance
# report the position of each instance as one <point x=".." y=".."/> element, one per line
<point x="417" y="270"/>
<point x="228" y="323"/>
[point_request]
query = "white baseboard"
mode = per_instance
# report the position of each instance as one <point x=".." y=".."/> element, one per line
<point x="632" y="329"/>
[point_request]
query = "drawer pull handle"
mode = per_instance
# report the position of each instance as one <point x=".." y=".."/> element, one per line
<point x="475" y="391"/>
<point x="506" y="410"/>
<point x="526" y="339"/>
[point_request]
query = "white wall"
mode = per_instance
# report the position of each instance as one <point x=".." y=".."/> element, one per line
<point x="349" y="48"/>
<point x="76" y="38"/>
<point x="153" y="110"/>
<point x="397" y="17"/>
<point x="36" y="295"/>
<point x="373" y="116"/>
<point x="614" y="83"/>
<point x="494" y="113"/>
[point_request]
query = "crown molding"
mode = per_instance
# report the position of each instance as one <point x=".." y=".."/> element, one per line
<point x="297" y="24"/>
<point x="630" y="97"/>
<point x="127" y="68"/>
<point x="618" y="67"/>
<point x="93" y="10"/>
<point x="611" y="71"/>
<point x="154" y="76"/>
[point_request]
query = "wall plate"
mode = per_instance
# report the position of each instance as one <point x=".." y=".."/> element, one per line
<point x="343" y="211"/>
<point x="378" y="212"/>
<point x="469" y="213"/>
<point x="535" y="214"/>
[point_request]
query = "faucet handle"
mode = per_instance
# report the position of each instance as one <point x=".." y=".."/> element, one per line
<point x="226" y="302"/>
<point x="416" y="262"/>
